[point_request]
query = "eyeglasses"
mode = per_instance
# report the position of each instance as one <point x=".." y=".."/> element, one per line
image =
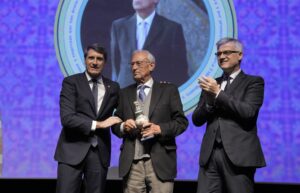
<point x="226" y="53"/>
<point x="139" y="63"/>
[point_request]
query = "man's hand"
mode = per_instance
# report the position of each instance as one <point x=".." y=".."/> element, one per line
<point x="209" y="85"/>
<point x="150" y="129"/>
<point x="129" y="125"/>
<point x="108" y="122"/>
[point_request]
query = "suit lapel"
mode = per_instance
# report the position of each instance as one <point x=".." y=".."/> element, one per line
<point x="131" y="29"/>
<point x="132" y="96"/>
<point x="154" y="31"/>
<point x="107" y="85"/>
<point x="236" y="82"/>
<point x="156" y="93"/>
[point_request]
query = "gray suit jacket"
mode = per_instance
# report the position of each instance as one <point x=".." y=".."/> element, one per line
<point x="165" y="41"/>
<point x="77" y="111"/>
<point x="166" y="111"/>
<point x="235" y="112"/>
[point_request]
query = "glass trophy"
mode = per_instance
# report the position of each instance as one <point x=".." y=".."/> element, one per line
<point x="140" y="119"/>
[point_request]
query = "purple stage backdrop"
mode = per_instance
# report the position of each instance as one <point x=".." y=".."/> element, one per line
<point x="30" y="82"/>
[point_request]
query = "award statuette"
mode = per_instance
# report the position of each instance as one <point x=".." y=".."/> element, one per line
<point x="140" y="119"/>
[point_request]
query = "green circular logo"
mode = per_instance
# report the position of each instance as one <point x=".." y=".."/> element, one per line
<point x="218" y="15"/>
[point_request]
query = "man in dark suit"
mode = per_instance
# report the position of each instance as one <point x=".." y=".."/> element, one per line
<point x="230" y="151"/>
<point x="149" y="165"/>
<point x="148" y="31"/>
<point x="87" y="101"/>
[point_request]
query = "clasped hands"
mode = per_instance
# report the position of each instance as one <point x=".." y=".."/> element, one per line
<point x="108" y="122"/>
<point x="148" y="129"/>
<point x="210" y="87"/>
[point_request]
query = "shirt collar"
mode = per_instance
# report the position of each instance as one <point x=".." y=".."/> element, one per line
<point x="234" y="75"/>
<point x="148" y="20"/>
<point x="89" y="78"/>
<point x="149" y="83"/>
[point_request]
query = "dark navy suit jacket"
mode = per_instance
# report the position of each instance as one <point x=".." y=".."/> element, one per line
<point x="235" y="113"/>
<point x="77" y="111"/>
<point x="166" y="111"/>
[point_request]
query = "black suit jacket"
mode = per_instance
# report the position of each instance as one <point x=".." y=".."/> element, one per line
<point x="77" y="111"/>
<point x="166" y="111"/>
<point x="235" y="112"/>
<point x="165" y="41"/>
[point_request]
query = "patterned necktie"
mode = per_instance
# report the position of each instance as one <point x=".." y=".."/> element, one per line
<point x="227" y="79"/>
<point x="95" y="93"/>
<point x="142" y="94"/>
<point x="93" y="139"/>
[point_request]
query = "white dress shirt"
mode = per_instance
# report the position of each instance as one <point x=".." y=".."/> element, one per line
<point x="101" y="93"/>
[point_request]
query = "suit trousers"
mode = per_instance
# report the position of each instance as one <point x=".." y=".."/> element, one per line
<point x="90" y="173"/>
<point x="220" y="175"/>
<point x="142" y="179"/>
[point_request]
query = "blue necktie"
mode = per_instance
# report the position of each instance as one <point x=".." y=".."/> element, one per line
<point x="142" y="94"/>
<point x="142" y="35"/>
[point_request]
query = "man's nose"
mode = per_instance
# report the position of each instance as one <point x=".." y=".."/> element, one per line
<point x="134" y="67"/>
<point x="222" y="56"/>
<point x="95" y="61"/>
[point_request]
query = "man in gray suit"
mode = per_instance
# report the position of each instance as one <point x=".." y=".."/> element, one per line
<point x="87" y="101"/>
<point x="149" y="165"/>
<point x="230" y="150"/>
<point x="149" y="31"/>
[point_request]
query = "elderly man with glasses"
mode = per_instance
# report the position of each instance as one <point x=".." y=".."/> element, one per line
<point x="148" y="153"/>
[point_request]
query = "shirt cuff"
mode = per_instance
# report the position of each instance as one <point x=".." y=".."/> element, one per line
<point x="218" y="93"/>
<point x="122" y="127"/>
<point x="93" y="128"/>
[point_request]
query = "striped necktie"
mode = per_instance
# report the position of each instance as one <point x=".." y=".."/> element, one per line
<point x="142" y="94"/>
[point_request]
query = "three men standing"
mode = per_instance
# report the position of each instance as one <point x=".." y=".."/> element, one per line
<point x="230" y="151"/>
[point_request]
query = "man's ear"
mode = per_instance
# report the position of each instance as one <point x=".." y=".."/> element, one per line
<point x="152" y="66"/>
<point x="240" y="56"/>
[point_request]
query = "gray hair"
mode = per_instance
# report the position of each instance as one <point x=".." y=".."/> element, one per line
<point x="150" y="56"/>
<point x="236" y="42"/>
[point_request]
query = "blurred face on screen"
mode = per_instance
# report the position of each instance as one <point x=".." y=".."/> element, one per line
<point x="94" y="62"/>
<point x="229" y="57"/>
<point x="141" y="67"/>
<point x="144" y="5"/>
